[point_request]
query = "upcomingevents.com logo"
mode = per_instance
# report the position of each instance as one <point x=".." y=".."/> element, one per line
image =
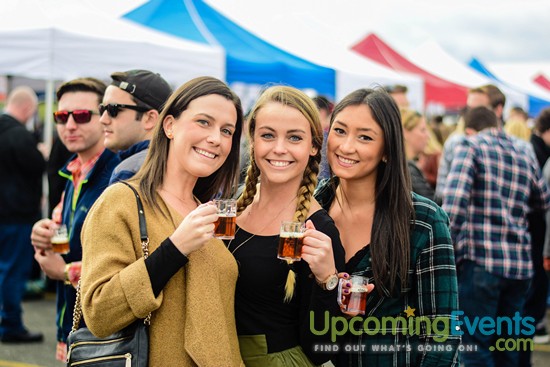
<point x="516" y="331"/>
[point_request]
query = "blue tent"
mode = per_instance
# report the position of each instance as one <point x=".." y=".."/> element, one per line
<point x="250" y="60"/>
<point x="536" y="104"/>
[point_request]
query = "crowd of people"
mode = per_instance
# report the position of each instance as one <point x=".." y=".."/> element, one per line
<point x="449" y="229"/>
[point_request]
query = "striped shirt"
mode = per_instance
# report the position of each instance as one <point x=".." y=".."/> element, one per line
<point x="493" y="184"/>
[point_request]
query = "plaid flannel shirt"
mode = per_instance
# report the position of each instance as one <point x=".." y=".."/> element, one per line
<point x="492" y="184"/>
<point x="432" y="292"/>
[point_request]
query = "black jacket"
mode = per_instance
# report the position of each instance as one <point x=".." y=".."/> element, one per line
<point x="542" y="151"/>
<point x="419" y="183"/>
<point x="21" y="169"/>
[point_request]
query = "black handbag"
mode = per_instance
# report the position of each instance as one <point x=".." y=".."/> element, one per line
<point x="128" y="347"/>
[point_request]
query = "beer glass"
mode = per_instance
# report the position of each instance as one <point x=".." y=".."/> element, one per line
<point x="356" y="300"/>
<point x="60" y="240"/>
<point x="227" y="219"/>
<point x="291" y="240"/>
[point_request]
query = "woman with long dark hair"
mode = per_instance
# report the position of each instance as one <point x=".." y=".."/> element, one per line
<point x="398" y="239"/>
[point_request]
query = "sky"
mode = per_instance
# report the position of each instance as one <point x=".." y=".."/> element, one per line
<point x="491" y="30"/>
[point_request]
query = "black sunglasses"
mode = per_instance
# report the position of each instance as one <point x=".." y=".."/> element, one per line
<point x="79" y="116"/>
<point x="113" y="108"/>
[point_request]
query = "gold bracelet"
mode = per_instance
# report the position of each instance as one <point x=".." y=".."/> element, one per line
<point x="67" y="267"/>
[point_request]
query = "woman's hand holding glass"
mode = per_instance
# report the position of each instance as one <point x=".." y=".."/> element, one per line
<point x="195" y="229"/>
<point x="317" y="251"/>
<point x="344" y="292"/>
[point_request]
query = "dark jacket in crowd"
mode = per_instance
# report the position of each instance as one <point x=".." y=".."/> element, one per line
<point x="21" y="169"/>
<point x="419" y="183"/>
<point x="542" y="151"/>
<point x="74" y="213"/>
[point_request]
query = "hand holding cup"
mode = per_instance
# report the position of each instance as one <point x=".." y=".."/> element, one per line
<point x="317" y="252"/>
<point x="196" y="229"/>
<point x="352" y="294"/>
<point x="42" y="233"/>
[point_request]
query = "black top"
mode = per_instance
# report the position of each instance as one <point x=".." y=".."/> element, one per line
<point x="419" y="183"/>
<point x="56" y="183"/>
<point x="259" y="300"/>
<point x="354" y="261"/>
<point x="163" y="263"/>
<point x="542" y="151"/>
<point x="21" y="169"/>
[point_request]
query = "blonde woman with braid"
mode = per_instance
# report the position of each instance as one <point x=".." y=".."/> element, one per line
<point x="274" y="300"/>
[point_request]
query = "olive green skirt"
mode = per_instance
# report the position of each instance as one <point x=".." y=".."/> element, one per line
<point x="254" y="354"/>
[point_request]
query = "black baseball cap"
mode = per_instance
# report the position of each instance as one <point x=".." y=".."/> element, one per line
<point x="150" y="88"/>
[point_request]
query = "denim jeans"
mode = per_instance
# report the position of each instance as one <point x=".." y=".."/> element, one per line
<point x="484" y="294"/>
<point x="16" y="254"/>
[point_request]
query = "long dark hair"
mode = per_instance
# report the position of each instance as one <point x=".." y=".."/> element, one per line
<point x="390" y="239"/>
<point x="225" y="179"/>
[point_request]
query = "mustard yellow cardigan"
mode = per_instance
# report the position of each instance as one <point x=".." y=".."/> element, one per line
<point x="193" y="322"/>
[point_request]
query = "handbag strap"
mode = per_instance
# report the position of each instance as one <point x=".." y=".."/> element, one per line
<point x="77" y="314"/>
<point x="142" y="223"/>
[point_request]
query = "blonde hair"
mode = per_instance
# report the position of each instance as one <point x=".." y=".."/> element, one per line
<point x="410" y="119"/>
<point x="294" y="98"/>
<point x="518" y="129"/>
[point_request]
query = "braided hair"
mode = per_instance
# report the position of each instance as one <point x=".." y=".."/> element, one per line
<point x="294" y="98"/>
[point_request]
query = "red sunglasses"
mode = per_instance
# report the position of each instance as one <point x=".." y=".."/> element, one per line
<point x="79" y="116"/>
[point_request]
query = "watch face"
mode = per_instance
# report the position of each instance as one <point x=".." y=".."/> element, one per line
<point x="332" y="282"/>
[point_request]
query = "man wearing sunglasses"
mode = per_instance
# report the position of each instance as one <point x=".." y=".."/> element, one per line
<point x="87" y="172"/>
<point x="21" y="169"/>
<point x="129" y="113"/>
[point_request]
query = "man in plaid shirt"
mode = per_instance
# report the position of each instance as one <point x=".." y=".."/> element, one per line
<point x="492" y="185"/>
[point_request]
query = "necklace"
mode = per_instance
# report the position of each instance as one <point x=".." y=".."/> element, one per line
<point x="263" y="229"/>
<point x="196" y="201"/>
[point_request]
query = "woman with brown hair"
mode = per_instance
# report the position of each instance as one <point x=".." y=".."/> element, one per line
<point x="188" y="281"/>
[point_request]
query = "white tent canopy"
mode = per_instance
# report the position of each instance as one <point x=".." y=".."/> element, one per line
<point x="521" y="75"/>
<point x="522" y="70"/>
<point x="431" y="56"/>
<point x="63" y="39"/>
<point x="299" y="35"/>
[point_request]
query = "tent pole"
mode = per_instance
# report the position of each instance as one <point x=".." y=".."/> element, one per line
<point x="48" y="120"/>
<point x="48" y="139"/>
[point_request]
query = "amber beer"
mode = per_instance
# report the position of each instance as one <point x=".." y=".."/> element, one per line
<point x="356" y="300"/>
<point x="60" y="240"/>
<point x="291" y="240"/>
<point x="290" y="246"/>
<point x="224" y="227"/>
<point x="60" y="244"/>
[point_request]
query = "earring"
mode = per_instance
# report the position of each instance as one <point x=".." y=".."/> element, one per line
<point x="169" y="134"/>
<point x="385" y="160"/>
